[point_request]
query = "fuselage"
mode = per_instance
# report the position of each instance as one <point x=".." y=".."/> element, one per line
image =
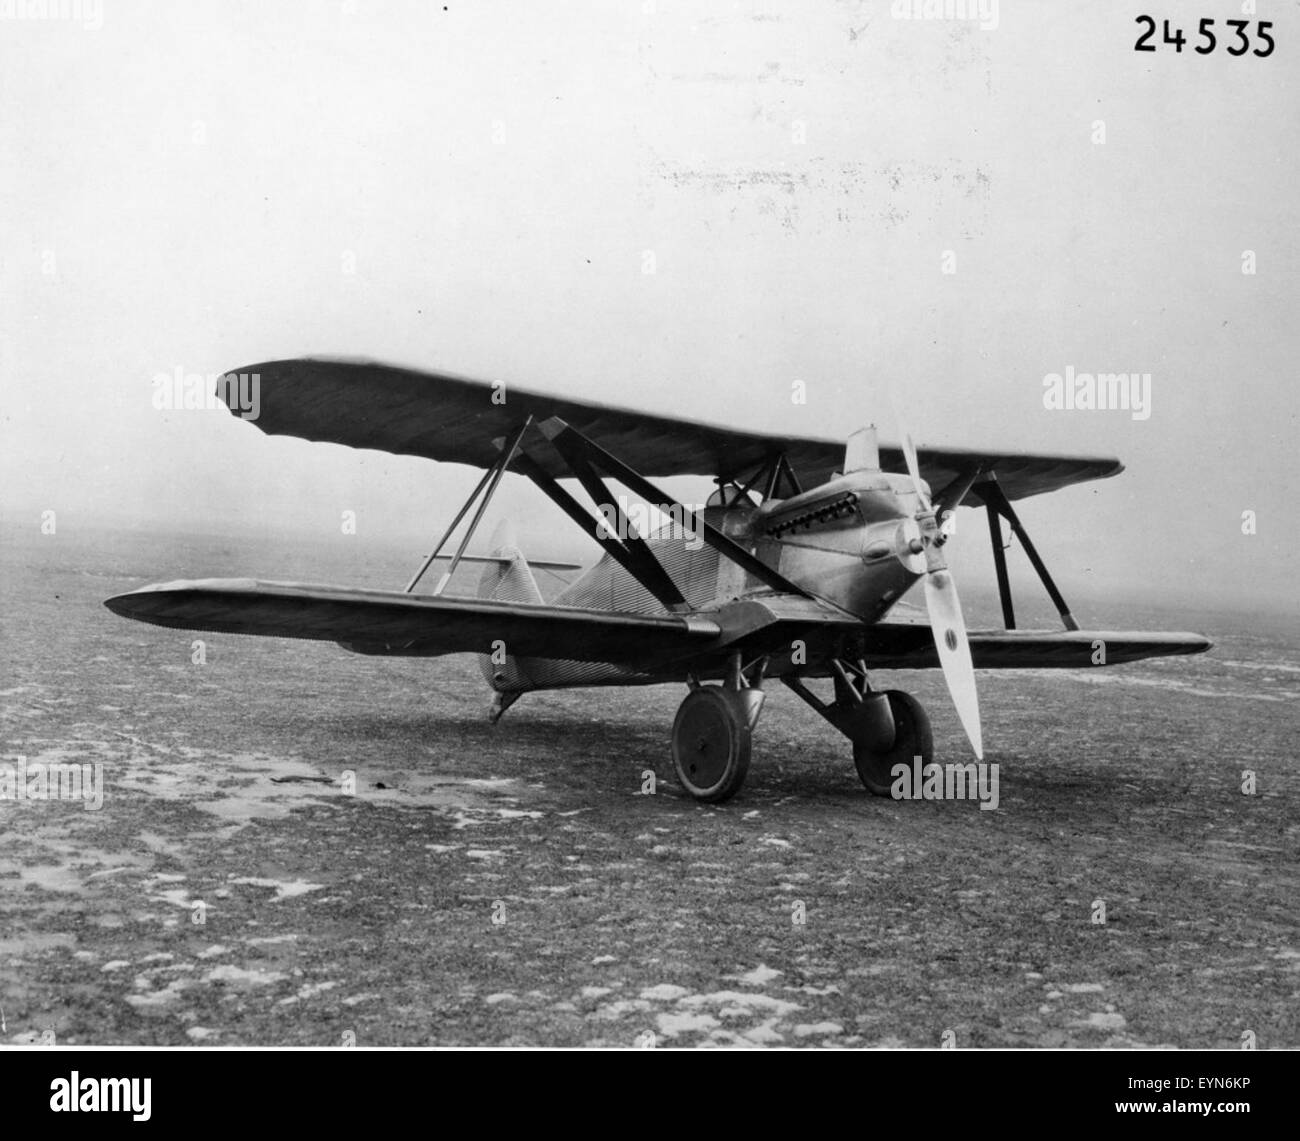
<point x="853" y="543"/>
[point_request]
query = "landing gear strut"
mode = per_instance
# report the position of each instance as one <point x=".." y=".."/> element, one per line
<point x="712" y="733"/>
<point x="886" y="729"/>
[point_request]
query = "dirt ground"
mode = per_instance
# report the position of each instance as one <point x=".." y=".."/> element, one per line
<point x="514" y="885"/>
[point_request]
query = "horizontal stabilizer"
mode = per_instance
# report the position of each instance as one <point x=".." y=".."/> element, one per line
<point x="506" y="560"/>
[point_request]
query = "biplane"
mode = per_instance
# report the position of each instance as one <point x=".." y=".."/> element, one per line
<point x="790" y="572"/>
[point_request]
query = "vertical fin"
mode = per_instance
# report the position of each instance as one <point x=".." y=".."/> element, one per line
<point x="511" y="579"/>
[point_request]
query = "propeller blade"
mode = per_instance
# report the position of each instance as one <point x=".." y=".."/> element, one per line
<point x="949" y="630"/>
<point x="914" y="468"/>
<point x="947" y="626"/>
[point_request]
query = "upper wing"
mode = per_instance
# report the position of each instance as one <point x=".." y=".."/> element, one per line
<point x="443" y="417"/>
<point x="390" y="622"/>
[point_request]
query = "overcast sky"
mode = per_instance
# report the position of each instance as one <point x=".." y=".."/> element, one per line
<point x="482" y="188"/>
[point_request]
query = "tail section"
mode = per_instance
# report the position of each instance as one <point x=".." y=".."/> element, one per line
<point x="507" y="577"/>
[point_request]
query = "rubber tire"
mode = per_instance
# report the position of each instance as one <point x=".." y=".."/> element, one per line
<point x="912" y="737"/>
<point x="711" y="744"/>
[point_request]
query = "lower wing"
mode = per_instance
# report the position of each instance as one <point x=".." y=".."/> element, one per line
<point x="389" y="622"/>
<point x="897" y="646"/>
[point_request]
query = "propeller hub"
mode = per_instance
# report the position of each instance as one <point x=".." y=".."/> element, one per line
<point x="909" y="546"/>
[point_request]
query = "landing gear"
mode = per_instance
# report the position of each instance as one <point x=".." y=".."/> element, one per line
<point x="912" y="738"/>
<point x="711" y="741"/>
<point x="712" y="733"/>
<point x="886" y="729"/>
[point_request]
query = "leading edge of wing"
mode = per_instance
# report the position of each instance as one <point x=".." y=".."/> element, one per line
<point x="455" y="419"/>
<point x="390" y="622"/>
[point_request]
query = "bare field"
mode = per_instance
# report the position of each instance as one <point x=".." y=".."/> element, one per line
<point x="511" y="884"/>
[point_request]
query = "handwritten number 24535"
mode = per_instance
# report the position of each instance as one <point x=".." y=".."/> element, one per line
<point x="1239" y="46"/>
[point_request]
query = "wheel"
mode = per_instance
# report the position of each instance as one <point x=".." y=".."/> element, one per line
<point x="711" y="739"/>
<point x="912" y="738"/>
